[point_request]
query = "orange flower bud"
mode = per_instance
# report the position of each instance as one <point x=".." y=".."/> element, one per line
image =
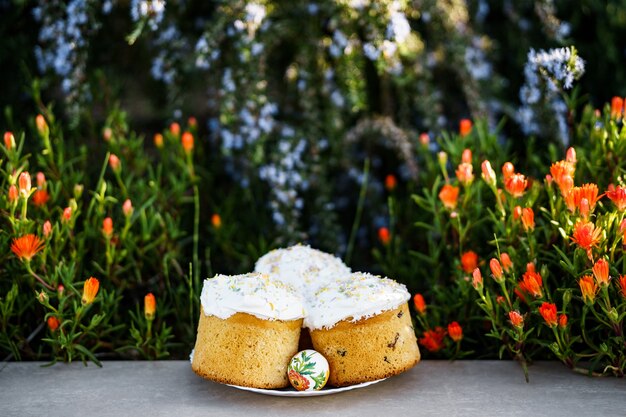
<point x="617" y="106"/>
<point x="507" y="170"/>
<point x="53" y="323"/>
<point x="42" y="125"/>
<point x="384" y="236"/>
<point x="115" y="163"/>
<point x="496" y="270"/>
<point x="192" y="122"/>
<point x="505" y="260"/>
<point x="532" y="284"/>
<point x="601" y="272"/>
<point x="449" y="196"/>
<point x="47" y="229"/>
<point x="41" y="179"/>
<point x="469" y="261"/>
<point x="517" y="212"/>
<point x="516" y="185"/>
<point x="563" y="321"/>
<point x="9" y="141"/>
<point x="216" y="221"/>
<point x="107" y="134"/>
<point x="516" y="319"/>
<point x="528" y="218"/>
<point x="424" y="139"/>
<point x="466" y="158"/>
<point x="67" y="214"/>
<point x="149" y="304"/>
<point x="549" y="179"/>
<point x="127" y="208"/>
<point x="187" y="141"/>
<point x="500" y="300"/>
<point x="465" y="127"/>
<point x="530" y="267"/>
<point x="420" y="304"/>
<point x="548" y="312"/>
<point x="158" y="140"/>
<point x="588" y="289"/>
<point x="465" y="174"/>
<point x="175" y="129"/>
<point x="25" y="185"/>
<point x="570" y="155"/>
<point x="13" y="193"/>
<point x="455" y="331"/>
<point x="489" y="174"/>
<point x="390" y="182"/>
<point x="477" y="279"/>
<point x="40" y="198"/>
<point x="621" y="282"/>
<point x="90" y="290"/>
<point x="107" y="227"/>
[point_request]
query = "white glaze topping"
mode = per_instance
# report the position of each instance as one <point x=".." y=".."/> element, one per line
<point x="359" y="296"/>
<point x="304" y="268"/>
<point x="254" y="293"/>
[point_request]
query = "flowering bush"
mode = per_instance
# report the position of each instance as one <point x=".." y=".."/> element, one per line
<point x="367" y="129"/>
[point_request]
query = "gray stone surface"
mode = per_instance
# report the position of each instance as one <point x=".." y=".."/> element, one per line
<point x="170" y="388"/>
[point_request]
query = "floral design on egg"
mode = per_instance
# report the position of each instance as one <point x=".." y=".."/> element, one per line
<point x="308" y="371"/>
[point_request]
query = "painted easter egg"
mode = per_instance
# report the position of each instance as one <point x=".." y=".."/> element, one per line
<point x="308" y="370"/>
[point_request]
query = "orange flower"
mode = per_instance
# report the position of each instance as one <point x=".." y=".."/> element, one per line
<point x="13" y="193"/>
<point x="516" y="319"/>
<point x="449" y="196"/>
<point x="114" y="162"/>
<point x="506" y="262"/>
<point x="158" y="140"/>
<point x="25" y="184"/>
<point x="40" y="198"/>
<point x="528" y="218"/>
<point x="187" y="141"/>
<point x="26" y="247"/>
<point x="516" y="185"/>
<point x="465" y="127"/>
<point x="563" y="321"/>
<point x="455" y="331"/>
<point x="465" y="173"/>
<point x="508" y="169"/>
<point x="53" y="323"/>
<point x="466" y="157"/>
<point x="563" y="174"/>
<point x="149" y="306"/>
<point x="433" y="339"/>
<point x="601" y="272"/>
<point x="477" y="279"/>
<point x="496" y="270"/>
<point x="588" y="288"/>
<point x="384" y="236"/>
<point x="299" y="382"/>
<point x="617" y="106"/>
<point x="9" y="140"/>
<point x="621" y="282"/>
<point x="587" y="236"/>
<point x="587" y="192"/>
<point x="532" y="284"/>
<point x="90" y="290"/>
<point x="618" y="196"/>
<point x="548" y="312"/>
<point x="175" y="129"/>
<point x="107" y="227"/>
<point x="390" y="182"/>
<point x="420" y="304"/>
<point x="489" y="174"/>
<point x="469" y="261"/>
<point x="216" y="220"/>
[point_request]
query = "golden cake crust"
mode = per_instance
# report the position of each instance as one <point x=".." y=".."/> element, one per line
<point x="245" y="350"/>
<point x="368" y="349"/>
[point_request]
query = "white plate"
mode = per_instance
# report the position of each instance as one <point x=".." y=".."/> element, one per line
<point x="291" y="392"/>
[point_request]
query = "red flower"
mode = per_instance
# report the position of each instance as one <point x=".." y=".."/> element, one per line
<point x="516" y="319"/>
<point x="465" y="127"/>
<point x="548" y="312"/>
<point x="601" y="272"/>
<point x="26" y="247"/>
<point x="621" y="282"/>
<point x="469" y="261"/>
<point x="528" y="218"/>
<point x="455" y="331"/>
<point x="384" y="236"/>
<point x="588" y="288"/>
<point x="390" y="182"/>
<point x="432" y="340"/>
<point x="617" y="106"/>
<point x="587" y="236"/>
<point x="420" y="304"/>
<point x="618" y="196"/>
<point x="449" y="196"/>
<point x="516" y="185"/>
<point x="299" y="382"/>
<point x="53" y="323"/>
<point x="40" y="198"/>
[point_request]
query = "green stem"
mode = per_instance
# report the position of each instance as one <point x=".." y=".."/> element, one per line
<point x="359" y="211"/>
